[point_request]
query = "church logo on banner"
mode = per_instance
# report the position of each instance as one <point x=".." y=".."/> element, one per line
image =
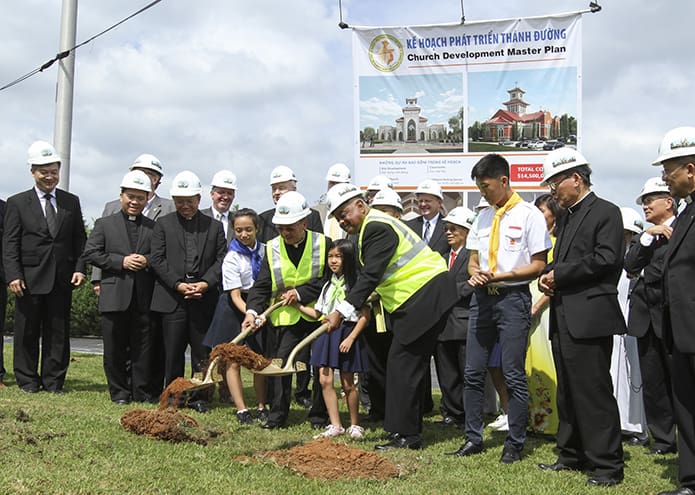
<point x="386" y="53"/>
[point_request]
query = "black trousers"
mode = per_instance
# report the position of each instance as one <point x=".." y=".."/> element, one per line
<point x="684" y="403"/>
<point x="3" y="312"/>
<point x="589" y="431"/>
<point x="127" y="354"/>
<point x="156" y="384"/>
<point x="45" y="317"/>
<point x="378" y="346"/>
<point x="655" y="366"/>
<point x="450" y="360"/>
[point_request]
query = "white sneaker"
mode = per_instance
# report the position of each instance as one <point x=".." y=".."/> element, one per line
<point x="500" y="424"/>
<point x="356" y="431"/>
<point x="330" y="431"/>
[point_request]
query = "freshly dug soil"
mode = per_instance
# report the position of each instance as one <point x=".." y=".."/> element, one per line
<point x="167" y="424"/>
<point x="328" y="460"/>
<point x="240" y="354"/>
<point x="171" y="396"/>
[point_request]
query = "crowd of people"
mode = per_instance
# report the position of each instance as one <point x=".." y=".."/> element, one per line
<point x="579" y="314"/>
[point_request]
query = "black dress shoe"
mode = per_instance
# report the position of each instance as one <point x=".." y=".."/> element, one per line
<point x="559" y="466"/>
<point x="680" y="491"/>
<point x="30" y="389"/>
<point x="305" y="402"/>
<point x="58" y="391"/>
<point x="319" y="425"/>
<point x="446" y="421"/>
<point x="636" y="440"/>
<point x="510" y="456"/>
<point x="199" y="405"/>
<point x="271" y="425"/>
<point x="603" y="481"/>
<point x="662" y="451"/>
<point x="121" y="402"/>
<point x="468" y="448"/>
<point x="401" y="442"/>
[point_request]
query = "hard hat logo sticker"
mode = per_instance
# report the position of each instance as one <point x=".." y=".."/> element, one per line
<point x="683" y="143"/>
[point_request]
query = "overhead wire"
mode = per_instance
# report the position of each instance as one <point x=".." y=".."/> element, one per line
<point x="63" y="54"/>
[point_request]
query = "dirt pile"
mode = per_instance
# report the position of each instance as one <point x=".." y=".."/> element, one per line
<point x="232" y="353"/>
<point x="172" y="395"/>
<point x="326" y="459"/>
<point x="164" y="424"/>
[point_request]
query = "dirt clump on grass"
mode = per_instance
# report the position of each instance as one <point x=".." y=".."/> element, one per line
<point x="326" y="459"/>
<point x="171" y="396"/>
<point x="232" y="353"/>
<point x="164" y="424"/>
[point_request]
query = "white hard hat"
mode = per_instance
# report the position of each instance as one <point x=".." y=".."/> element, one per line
<point x="225" y="179"/>
<point x="338" y="172"/>
<point x="461" y="216"/>
<point x="677" y="142"/>
<point x="429" y="186"/>
<point x="653" y="185"/>
<point x="186" y="184"/>
<point x="560" y="160"/>
<point x="632" y="220"/>
<point x="339" y="194"/>
<point x="281" y="174"/>
<point x="379" y="182"/>
<point x="387" y="197"/>
<point x="150" y="162"/>
<point x="42" y="153"/>
<point x="290" y="208"/>
<point x="136" y="179"/>
<point x="482" y="203"/>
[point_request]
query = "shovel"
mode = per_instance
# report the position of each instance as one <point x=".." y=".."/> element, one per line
<point x="274" y="369"/>
<point x="209" y="379"/>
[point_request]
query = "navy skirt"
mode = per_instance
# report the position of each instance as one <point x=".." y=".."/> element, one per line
<point x="226" y="325"/>
<point x="326" y="351"/>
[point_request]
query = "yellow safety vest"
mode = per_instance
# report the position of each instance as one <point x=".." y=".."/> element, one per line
<point x="285" y="275"/>
<point x="411" y="266"/>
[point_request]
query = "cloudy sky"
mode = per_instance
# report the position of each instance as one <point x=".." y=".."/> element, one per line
<point x="251" y="85"/>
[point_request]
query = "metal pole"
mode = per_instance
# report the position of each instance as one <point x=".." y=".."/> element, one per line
<point x="64" y="89"/>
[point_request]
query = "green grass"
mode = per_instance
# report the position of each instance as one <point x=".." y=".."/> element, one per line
<point x="74" y="444"/>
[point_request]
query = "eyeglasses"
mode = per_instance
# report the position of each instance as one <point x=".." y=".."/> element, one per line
<point x="553" y="185"/>
<point x="668" y="173"/>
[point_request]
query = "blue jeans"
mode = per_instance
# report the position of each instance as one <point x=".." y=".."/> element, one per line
<point x="506" y="315"/>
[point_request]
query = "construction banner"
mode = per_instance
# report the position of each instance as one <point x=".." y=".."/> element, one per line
<point x="431" y="100"/>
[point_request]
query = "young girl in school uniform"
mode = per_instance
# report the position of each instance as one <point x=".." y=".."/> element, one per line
<point x="341" y="349"/>
<point x="239" y="270"/>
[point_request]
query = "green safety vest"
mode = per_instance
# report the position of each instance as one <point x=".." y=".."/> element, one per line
<point x="411" y="266"/>
<point x="284" y="275"/>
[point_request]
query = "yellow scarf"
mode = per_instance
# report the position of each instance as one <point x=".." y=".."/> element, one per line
<point x="514" y="200"/>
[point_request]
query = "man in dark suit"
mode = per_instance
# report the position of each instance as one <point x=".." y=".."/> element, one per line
<point x="584" y="315"/>
<point x="677" y="157"/>
<point x="43" y="240"/>
<point x="222" y="196"/>
<point x="120" y="245"/>
<point x="644" y="261"/>
<point x="429" y="225"/>
<point x="416" y="291"/>
<point x="187" y="252"/>
<point x="3" y="298"/>
<point x="450" y="353"/>
<point x="283" y="180"/>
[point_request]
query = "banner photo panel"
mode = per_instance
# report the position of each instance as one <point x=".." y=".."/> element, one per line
<point x="430" y="101"/>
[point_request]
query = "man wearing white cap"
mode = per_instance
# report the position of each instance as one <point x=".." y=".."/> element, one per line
<point x="338" y="173"/>
<point x="429" y="224"/>
<point x="581" y="282"/>
<point x="222" y="191"/>
<point x="388" y="201"/>
<point x="450" y="353"/>
<point x="644" y="261"/>
<point x="42" y="246"/>
<point x="283" y="180"/>
<point x="415" y="290"/>
<point x="376" y="184"/>
<point x="120" y="245"/>
<point x="187" y="252"/>
<point x="292" y="271"/>
<point x="677" y="157"/>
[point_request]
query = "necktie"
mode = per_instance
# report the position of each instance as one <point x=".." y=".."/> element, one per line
<point x="427" y="234"/>
<point x="452" y="259"/>
<point x="51" y="216"/>
<point x="514" y="200"/>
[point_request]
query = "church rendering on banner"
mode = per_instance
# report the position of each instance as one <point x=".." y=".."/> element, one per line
<point x="412" y="127"/>
<point x="515" y="124"/>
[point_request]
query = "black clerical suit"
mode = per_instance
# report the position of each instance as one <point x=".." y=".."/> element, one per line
<point x="281" y="340"/>
<point x="124" y="303"/>
<point x="645" y="323"/>
<point x="679" y="319"/>
<point x="450" y="353"/>
<point x="46" y="263"/>
<point x="584" y="316"/>
<point x="185" y="251"/>
<point x="3" y="295"/>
